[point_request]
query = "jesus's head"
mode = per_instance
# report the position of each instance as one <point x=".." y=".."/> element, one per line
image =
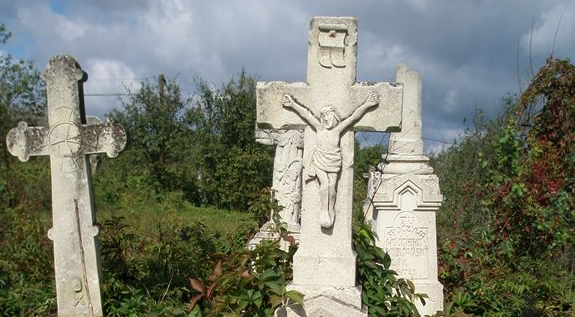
<point x="328" y="117"/>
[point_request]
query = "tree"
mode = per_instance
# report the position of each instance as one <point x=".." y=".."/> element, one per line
<point x="202" y="146"/>
<point x="26" y="262"/>
<point x="161" y="142"/>
<point x="233" y="166"/>
<point x="22" y="98"/>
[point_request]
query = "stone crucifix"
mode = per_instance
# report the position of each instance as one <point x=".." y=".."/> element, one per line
<point x="326" y="156"/>
<point x="325" y="258"/>
<point x="68" y="139"/>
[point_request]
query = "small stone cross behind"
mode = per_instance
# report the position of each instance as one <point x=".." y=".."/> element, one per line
<point x="68" y="139"/>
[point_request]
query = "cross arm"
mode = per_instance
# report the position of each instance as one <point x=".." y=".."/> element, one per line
<point x="270" y="111"/>
<point x="24" y="141"/>
<point x="109" y="138"/>
<point x="387" y="116"/>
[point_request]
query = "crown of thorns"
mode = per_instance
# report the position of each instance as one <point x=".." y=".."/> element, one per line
<point x="329" y="109"/>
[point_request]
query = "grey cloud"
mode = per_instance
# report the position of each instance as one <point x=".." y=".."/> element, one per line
<point x="466" y="51"/>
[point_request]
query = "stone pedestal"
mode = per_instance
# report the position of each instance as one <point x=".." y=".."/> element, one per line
<point x="325" y="302"/>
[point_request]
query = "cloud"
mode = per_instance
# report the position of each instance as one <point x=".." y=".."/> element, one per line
<point x="469" y="53"/>
<point x="47" y="25"/>
<point x="448" y="101"/>
<point x="107" y="77"/>
<point x="555" y="26"/>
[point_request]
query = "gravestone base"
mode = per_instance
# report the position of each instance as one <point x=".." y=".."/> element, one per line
<point x="325" y="301"/>
<point x="405" y="207"/>
<point x="268" y="232"/>
<point x="434" y="303"/>
<point x="324" y="269"/>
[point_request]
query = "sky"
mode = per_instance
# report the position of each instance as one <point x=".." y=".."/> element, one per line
<point x="470" y="53"/>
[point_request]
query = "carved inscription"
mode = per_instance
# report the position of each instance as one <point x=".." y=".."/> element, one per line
<point x="407" y="244"/>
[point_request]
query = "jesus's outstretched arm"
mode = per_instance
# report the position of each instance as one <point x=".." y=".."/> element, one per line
<point x="371" y="101"/>
<point x="302" y="111"/>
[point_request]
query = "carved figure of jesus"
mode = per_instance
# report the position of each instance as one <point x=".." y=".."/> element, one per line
<point x="327" y="152"/>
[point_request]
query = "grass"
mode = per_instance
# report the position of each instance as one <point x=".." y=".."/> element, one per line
<point x="156" y="217"/>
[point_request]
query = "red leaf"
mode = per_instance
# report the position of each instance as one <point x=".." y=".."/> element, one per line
<point x="289" y="238"/>
<point x="210" y="291"/>
<point x="217" y="271"/>
<point x="194" y="300"/>
<point x="197" y="285"/>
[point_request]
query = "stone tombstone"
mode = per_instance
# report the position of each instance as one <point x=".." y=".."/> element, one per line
<point x="403" y="199"/>
<point x="68" y="140"/>
<point x="330" y="107"/>
<point x="286" y="186"/>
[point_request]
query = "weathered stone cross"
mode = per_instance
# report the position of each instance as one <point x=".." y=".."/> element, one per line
<point x="330" y="106"/>
<point x="68" y="139"/>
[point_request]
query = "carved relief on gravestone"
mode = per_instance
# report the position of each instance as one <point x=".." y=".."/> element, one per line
<point x="407" y="241"/>
<point x="326" y="154"/>
<point x="286" y="186"/>
<point x="332" y="43"/>
<point x="68" y="139"/>
<point x="287" y="171"/>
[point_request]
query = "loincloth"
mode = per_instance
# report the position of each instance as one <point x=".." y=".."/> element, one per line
<point x="327" y="161"/>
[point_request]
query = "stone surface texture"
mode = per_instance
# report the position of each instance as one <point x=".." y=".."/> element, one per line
<point x="68" y="139"/>
<point x="325" y="259"/>
<point x="406" y="197"/>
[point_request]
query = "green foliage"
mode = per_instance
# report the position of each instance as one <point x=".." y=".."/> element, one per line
<point x="366" y="158"/>
<point x="203" y="146"/>
<point x="507" y="243"/>
<point x="159" y="145"/>
<point x="228" y="154"/>
<point x="4" y="34"/>
<point x="26" y="264"/>
<point x="263" y="206"/>
<point x="249" y="283"/>
<point x="25" y="255"/>
<point x="147" y="264"/>
<point x="22" y="98"/>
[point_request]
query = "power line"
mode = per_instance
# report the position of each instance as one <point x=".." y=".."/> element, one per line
<point x="117" y="94"/>
<point x="437" y="140"/>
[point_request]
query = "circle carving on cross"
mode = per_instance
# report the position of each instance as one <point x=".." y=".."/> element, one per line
<point x="64" y="139"/>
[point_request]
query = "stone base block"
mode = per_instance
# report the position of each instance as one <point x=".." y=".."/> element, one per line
<point x="328" y="270"/>
<point x="325" y="302"/>
<point x="434" y="303"/>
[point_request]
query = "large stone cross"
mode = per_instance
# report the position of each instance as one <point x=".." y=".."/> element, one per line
<point x="68" y="139"/>
<point x="330" y="106"/>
